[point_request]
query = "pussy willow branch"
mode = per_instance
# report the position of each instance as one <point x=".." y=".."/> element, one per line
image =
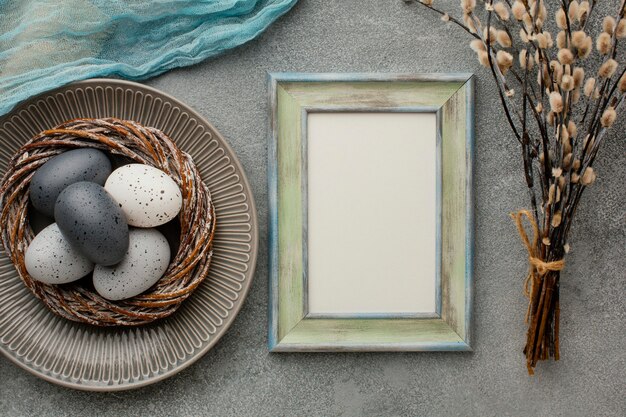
<point x="525" y="137"/>
<point x="450" y="18"/>
<point x="543" y="133"/>
<point x="575" y="197"/>
<point x="507" y="104"/>
<point x="518" y="120"/>
<point x="559" y="148"/>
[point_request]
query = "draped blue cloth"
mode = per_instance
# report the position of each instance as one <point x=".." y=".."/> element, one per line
<point x="48" y="43"/>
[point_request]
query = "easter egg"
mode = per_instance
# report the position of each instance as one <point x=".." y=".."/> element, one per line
<point x="92" y="222"/>
<point x="62" y="170"/>
<point x="147" y="195"/>
<point x="145" y="262"/>
<point x="52" y="260"/>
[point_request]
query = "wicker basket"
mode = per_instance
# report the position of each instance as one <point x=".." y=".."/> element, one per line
<point x="141" y="144"/>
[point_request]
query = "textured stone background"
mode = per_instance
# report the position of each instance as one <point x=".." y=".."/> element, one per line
<point x="240" y="378"/>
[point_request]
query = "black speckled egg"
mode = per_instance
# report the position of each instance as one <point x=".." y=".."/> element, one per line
<point x="65" y="169"/>
<point x="92" y="222"/>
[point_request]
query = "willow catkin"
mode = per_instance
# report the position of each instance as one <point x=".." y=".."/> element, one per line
<point x="501" y="10"/>
<point x="578" y="38"/>
<point x="620" y="32"/>
<point x="608" y="24"/>
<point x="572" y="11"/>
<point x="542" y="40"/>
<point x="490" y="36"/>
<point x="525" y="61"/>
<point x="556" y="219"/>
<point x="518" y="10"/>
<point x="588" y="177"/>
<point x="607" y="69"/>
<point x="503" y="39"/>
<point x="469" y="22"/>
<point x="504" y="60"/>
<point x="565" y="56"/>
<point x="596" y="93"/>
<point x="552" y="194"/>
<point x="477" y="45"/>
<point x="608" y="117"/>
<point x="589" y="86"/>
<point x="567" y="161"/>
<point x="583" y="11"/>
<point x="567" y="143"/>
<point x="567" y="83"/>
<point x="550" y="40"/>
<point x="561" y="19"/>
<point x="562" y="134"/>
<point x="603" y="43"/>
<point x="468" y="6"/>
<point x="561" y="39"/>
<point x="579" y="76"/>
<point x="528" y="23"/>
<point x="622" y="83"/>
<point x="523" y="35"/>
<point x="483" y="58"/>
<point x="572" y="129"/>
<point x="556" y="102"/>
<point x="585" y="49"/>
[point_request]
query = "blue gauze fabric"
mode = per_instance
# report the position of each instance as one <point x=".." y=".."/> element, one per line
<point x="48" y="43"/>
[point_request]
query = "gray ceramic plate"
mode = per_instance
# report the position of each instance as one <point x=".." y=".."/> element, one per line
<point x="89" y="358"/>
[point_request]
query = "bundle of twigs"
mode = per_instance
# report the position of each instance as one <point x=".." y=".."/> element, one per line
<point x="561" y="88"/>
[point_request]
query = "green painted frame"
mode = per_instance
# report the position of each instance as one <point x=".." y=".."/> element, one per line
<point x="292" y="96"/>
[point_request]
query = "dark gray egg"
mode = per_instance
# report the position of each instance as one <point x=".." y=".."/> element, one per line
<point x="92" y="222"/>
<point x="67" y="168"/>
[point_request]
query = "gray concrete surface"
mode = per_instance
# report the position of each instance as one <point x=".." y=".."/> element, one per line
<point x="240" y="378"/>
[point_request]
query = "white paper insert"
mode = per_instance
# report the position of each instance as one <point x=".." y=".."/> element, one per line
<point x="371" y="212"/>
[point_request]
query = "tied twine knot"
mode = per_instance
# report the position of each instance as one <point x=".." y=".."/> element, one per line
<point x="537" y="266"/>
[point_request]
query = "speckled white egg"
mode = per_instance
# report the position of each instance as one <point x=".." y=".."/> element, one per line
<point x="146" y="261"/>
<point x="147" y="195"/>
<point x="50" y="258"/>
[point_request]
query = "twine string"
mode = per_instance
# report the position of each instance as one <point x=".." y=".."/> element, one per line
<point x="537" y="267"/>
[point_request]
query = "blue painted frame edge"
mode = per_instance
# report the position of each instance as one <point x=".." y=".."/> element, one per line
<point x="272" y="177"/>
<point x="366" y="76"/>
<point x="272" y="80"/>
<point x="469" y="206"/>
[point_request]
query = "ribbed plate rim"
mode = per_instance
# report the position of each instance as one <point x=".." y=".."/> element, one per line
<point x="197" y="354"/>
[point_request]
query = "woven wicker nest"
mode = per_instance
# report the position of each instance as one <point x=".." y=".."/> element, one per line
<point x="145" y="145"/>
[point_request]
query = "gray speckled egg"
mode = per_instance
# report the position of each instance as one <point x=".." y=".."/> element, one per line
<point x="146" y="261"/>
<point x="92" y="222"/>
<point x="148" y="196"/>
<point x="65" y="169"/>
<point x="52" y="260"/>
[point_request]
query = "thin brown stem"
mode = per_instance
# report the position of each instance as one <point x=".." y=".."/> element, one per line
<point x="450" y="18"/>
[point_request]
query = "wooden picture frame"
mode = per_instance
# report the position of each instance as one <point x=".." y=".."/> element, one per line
<point x="293" y="98"/>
